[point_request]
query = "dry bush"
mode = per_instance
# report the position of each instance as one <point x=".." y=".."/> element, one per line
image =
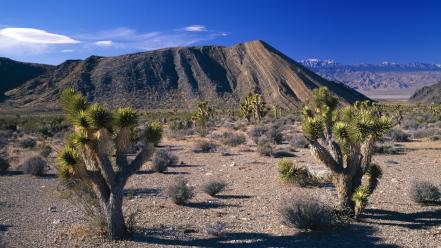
<point x="162" y="159"/>
<point x="180" y="192"/>
<point x="204" y="146"/>
<point x="424" y="192"/>
<point x="307" y="214"/>
<point x="214" y="187"/>
<point x="34" y="165"/>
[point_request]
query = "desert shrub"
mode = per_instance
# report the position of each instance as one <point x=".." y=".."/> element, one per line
<point x="34" y="165"/>
<point x="398" y="135"/>
<point x="27" y="143"/>
<point x="424" y="192"/>
<point x="257" y="132"/>
<point x="4" y="165"/>
<point x="204" y="146"/>
<point x="410" y="124"/>
<point x="307" y="214"/>
<point x="293" y="173"/>
<point x="385" y="148"/>
<point x="180" y="129"/>
<point x="275" y="134"/>
<point x="162" y="159"/>
<point x="299" y="141"/>
<point x="80" y="193"/>
<point x="233" y="139"/>
<point x="180" y="192"/>
<point x="153" y="132"/>
<point x="45" y="151"/>
<point x="426" y="133"/>
<point x="435" y="137"/>
<point x="214" y="187"/>
<point x="264" y="147"/>
<point x="282" y="153"/>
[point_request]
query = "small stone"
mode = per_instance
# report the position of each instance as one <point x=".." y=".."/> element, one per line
<point x="232" y="164"/>
<point x="56" y="222"/>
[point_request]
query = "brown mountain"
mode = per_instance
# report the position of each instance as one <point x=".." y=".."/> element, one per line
<point x="14" y="73"/>
<point x="178" y="77"/>
<point x="428" y="94"/>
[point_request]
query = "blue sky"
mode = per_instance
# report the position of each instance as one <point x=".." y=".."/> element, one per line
<point x="345" y="31"/>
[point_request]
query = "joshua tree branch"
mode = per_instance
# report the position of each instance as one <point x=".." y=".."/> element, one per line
<point x="139" y="160"/>
<point x="324" y="156"/>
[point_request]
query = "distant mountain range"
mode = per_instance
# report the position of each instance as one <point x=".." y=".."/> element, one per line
<point x="177" y="78"/>
<point x="385" y="78"/>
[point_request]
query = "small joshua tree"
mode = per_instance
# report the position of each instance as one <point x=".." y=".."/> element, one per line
<point x="343" y="140"/>
<point x="202" y="115"/>
<point x="96" y="153"/>
<point x="253" y="106"/>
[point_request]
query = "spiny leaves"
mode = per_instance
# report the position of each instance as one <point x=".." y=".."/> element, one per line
<point x="73" y="102"/>
<point x="98" y="117"/>
<point x="313" y="128"/>
<point x="126" y="117"/>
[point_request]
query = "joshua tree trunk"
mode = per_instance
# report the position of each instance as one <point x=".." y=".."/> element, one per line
<point x="114" y="216"/>
<point x="344" y="186"/>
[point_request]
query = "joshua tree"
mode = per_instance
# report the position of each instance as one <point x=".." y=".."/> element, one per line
<point x="343" y="140"/>
<point x="253" y="106"/>
<point x="202" y="114"/>
<point x="96" y="154"/>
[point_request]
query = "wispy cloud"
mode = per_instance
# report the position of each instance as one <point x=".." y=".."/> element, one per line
<point x="196" y="28"/>
<point x="103" y="43"/>
<point x="35" y="36"/>
<point x="27" y="42"/>
<point x="30" y="40"/>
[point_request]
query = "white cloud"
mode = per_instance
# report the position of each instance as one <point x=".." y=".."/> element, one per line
<point x="35" y="36"/>
<point x="103" y="43"/>
<point x="67" y="51"/>
<point x="196" y="28"/>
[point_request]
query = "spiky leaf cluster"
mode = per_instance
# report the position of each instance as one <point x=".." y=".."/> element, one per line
<point x="253" y="105"/>
<point x="202" y="114"/>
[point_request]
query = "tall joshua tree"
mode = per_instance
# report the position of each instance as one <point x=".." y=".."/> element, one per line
<point x="343" y="140"/>
<point x="96" y="154"/>
<point x="202" y="115"/>
<point x="253" y="106"/>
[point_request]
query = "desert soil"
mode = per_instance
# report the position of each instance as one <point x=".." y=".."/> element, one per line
<point x="33" y="215"/>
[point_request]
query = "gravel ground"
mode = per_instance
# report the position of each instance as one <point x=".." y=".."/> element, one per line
<point x="33" y="215"/>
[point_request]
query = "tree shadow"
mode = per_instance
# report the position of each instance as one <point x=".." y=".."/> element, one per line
<point x="4" y="228"/>
<point x="143" y="193"/>
<point x="13" y="173"/>
<point x="144" y="172"/>
<point x="349" y="236"/>
<point x="233" y="197"/>
<point x="175" y="173"/>
<point x="208" y="205"/>
<point x="185" y="166"/>
<point x="418" y="220"/>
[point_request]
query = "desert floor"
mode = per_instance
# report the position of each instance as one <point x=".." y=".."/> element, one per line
<point x="33" y="215"/>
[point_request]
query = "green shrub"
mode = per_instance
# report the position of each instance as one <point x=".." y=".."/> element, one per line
<point x="292" y="173"/>
<point x="153" y="132"/>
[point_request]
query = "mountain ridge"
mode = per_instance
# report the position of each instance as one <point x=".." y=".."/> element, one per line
<point x="180" y="76"/>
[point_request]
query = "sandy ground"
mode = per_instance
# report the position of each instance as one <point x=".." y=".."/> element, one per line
<point x="33" y="215"/>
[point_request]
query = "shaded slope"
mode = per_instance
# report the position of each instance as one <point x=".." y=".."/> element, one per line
<point x="178" y="77"/>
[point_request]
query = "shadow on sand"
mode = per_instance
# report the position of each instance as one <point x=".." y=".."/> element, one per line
<point x="348" y="236"/>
